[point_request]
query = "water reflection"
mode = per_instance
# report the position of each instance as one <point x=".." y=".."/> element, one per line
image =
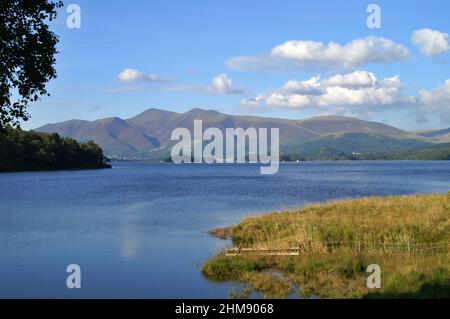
<point x="140" y="229"/>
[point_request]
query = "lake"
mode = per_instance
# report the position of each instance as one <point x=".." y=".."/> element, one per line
<point x="139" y="230"/>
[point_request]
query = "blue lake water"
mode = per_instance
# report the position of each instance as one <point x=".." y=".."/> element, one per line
<point x="139" y="230"/>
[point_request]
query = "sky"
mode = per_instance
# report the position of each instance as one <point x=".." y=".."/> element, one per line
<point x="289" y="59"/>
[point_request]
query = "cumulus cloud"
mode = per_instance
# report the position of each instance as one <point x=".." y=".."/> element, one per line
<point x="309" y="87"/>
<point x="132" y="75"/>
<point x="436" y="101"/>
<point x="311" y="55"/>
<point x="357" y="79"/>
<point x="356" y="93"/>
<point x="253" y="103"/>
<point x="431" y="42"/>
<point x="359" y="90"/>
<point x="222" y="84"/>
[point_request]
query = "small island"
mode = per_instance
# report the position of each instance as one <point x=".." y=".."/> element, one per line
<point x="35" y="151"/>
<point x="325" y="250"/>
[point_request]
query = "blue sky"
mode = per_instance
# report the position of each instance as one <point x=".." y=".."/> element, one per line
<point x="174" y="49"/>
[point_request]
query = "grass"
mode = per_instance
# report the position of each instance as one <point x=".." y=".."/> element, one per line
<point x="407" y="236"/>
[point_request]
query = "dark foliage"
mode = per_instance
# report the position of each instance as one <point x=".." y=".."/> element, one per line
<point x="438" y="152"/>
<point x="22" y="150"/>
<point x="27" y="50"/>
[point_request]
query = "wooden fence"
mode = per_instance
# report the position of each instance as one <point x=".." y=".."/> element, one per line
<point x="307" y="247"/>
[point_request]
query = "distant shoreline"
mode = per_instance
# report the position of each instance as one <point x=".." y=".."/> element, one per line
<point x="104" y="166"/>
<point x="292" y="162"/>
<point x="108" y="166"/>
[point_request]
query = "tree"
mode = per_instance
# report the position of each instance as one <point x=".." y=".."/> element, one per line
<point x="29" y="150"/>
<point x="27" y="51"/>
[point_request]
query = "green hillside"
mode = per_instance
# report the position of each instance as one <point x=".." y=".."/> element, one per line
<point x="357" y="143"/>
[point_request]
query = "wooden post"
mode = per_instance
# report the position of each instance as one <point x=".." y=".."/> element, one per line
<point x="409" y="249"/>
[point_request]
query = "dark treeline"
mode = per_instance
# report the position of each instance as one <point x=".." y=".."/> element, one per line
<point x="438" y="152"/>
<point x="24" y="151"/>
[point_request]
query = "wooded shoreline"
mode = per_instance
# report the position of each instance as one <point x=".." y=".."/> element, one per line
<point x="34" y="151"/>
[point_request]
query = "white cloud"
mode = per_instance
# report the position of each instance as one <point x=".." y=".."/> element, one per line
<point x="357" y="93"/>
<point x="359" y="90"/>
<point x="317" y="55"/>
<point x="357" y="79"/>
<point x="222" y="84"/>
<point x="132" y="75"/>
<point x="436" y="101"/>
<point x="252" y="103"/>
<point x="431" y="42"/>
<point x="309" y="87"/>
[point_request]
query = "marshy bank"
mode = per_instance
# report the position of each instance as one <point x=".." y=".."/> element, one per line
<point x="407" y="236"/>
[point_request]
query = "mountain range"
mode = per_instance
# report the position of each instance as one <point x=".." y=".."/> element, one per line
<point x="147" y="135"/>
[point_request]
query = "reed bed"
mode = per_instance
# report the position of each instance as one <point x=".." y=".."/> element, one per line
<point x="407" y="236"/>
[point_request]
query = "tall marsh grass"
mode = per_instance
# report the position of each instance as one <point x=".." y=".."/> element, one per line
<point x="407" y="236"/>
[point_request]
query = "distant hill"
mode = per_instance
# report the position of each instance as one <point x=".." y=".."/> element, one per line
<point x="360" y="143"/>
<point x="159" y="124"/>
<point x="114" y="135"/>
<point x="343" y="124"/>
<point x="147" y="135"/>
<point x="442" y="136"/>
